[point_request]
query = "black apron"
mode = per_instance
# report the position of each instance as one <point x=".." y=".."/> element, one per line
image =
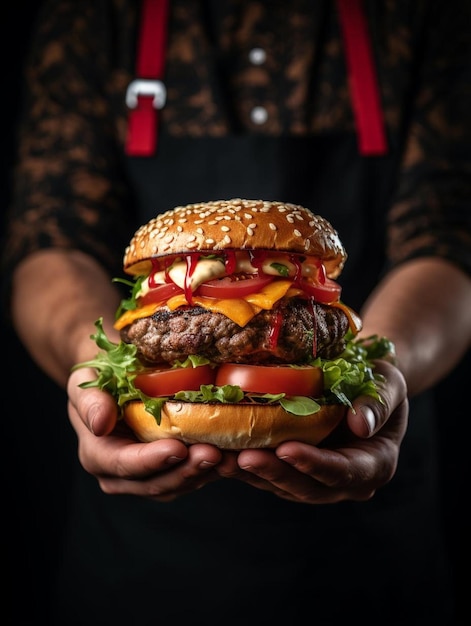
<point x="232" y="554"/>
<point x="229" y="553"/>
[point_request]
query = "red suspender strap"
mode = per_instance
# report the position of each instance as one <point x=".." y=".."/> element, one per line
<point x="362" y="77"/>
<point x="147" y="94"/>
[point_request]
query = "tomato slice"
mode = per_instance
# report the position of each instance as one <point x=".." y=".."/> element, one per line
<point x="160" y="293"/>
<point x="167" y="381"/>
<point x="325" y="293"/>
<point x="293" y="381"/>
<point x="228" y="288"/>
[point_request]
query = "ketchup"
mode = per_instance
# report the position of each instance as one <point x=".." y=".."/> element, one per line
<point x="257" y="257"/>
<point x="312" y="303"/>
<point x="275" y="329"/>
<point x="230" y="262"/>
<point x="191" y="263"/>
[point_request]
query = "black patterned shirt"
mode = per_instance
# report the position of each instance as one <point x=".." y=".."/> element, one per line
<point x="70" y="186"/>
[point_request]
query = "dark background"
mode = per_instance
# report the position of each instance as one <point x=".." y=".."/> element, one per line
<point x="39" y="447"/>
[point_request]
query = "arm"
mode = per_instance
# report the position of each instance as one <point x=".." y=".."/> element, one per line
<point x="71" y="217"/>
<point x="57" y="295"/>
<point x="424" y="306"/>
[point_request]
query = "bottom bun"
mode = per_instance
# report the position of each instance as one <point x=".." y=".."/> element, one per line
<point x="233" y="427"/>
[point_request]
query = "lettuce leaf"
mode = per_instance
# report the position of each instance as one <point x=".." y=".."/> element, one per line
<point x="346" y="377"/>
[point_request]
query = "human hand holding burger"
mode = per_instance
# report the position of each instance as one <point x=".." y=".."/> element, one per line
<point x="351" y="468"/>
<point x="235" y="334"/>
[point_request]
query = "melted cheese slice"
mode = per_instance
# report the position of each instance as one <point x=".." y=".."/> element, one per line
<point x="354" y="320"/>
<point x="239" y="310"/>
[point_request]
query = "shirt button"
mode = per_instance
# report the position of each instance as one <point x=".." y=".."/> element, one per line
<point x="259" y="115"/>
<point x="257" y="56"/>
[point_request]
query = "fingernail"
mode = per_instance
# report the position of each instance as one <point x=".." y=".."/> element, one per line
<point x="206" y="464"/>
<point x="369" y="418"/>
<point x="288" y="459"/>
<point x="173" y="460"/>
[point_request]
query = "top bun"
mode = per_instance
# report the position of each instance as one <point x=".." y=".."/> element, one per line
<point x="232" y="225"/>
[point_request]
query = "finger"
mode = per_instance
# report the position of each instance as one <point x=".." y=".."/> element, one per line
<point x="96" y="409"/>
<point x="356" y="469"/>
<point x="169" y="482"/>
<point x="120" y="455"/>
<point x="347" y="473"/>
<point x="369" y="415"/>
<point x="264" y="470"/>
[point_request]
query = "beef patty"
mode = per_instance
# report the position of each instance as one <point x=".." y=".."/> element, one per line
<point x="294" y="331"/>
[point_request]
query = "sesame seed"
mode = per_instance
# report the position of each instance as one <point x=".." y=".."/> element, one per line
<point x="250" y="231"/>
<point x="297" y="232"/>
<point x="272" y="226"/>
<point x="225" y="229"/>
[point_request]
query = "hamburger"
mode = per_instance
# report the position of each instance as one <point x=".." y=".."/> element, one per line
<point x="235" y="333"/>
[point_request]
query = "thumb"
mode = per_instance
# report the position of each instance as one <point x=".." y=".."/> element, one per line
<point x="95" y="409"/>
<point x="369" y="414"/>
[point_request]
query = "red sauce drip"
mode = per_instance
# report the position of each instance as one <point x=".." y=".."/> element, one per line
<point x="191" y="262"/>
<point x="296" y="261"/>
<point x="167" y="264"/>
<point x="298" y="278"/>
<point x="321" y="275"/>
<point x="312" y="302"/>
<point x="275" y="329"/>
<point x="257" y="257"/>
<point x="230" y="262"/>
<point x="154" y="270"/>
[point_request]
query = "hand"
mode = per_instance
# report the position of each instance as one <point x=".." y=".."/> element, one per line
<point x="108" y="450"/>
<point x="350" y="465"/>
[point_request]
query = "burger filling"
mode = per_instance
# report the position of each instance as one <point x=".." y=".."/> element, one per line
<point x="295" y="331"/>
<point x="200" y="312"/>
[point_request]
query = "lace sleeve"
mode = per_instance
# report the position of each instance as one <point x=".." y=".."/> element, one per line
<point x="69" y="188"/>
<point x="431" y="214"/>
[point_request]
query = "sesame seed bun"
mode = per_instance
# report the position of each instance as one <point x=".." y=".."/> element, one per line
<point x="235" y="224"/>
<point x="233" y="427"/>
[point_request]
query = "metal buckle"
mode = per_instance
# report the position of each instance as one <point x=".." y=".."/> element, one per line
<point x="146" y="87"/>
